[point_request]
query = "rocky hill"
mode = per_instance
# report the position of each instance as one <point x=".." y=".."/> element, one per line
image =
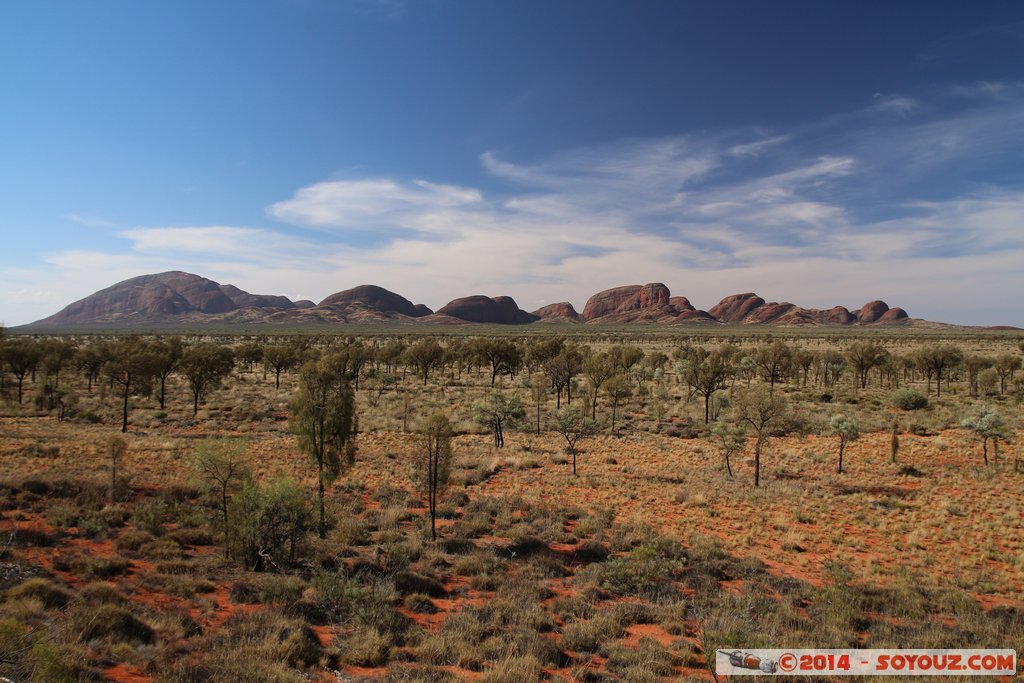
<point x="182" y="299"/>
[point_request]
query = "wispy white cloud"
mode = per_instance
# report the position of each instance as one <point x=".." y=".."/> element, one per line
<point x="897" y="104"/>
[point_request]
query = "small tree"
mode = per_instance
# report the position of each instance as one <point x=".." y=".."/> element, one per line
<point x="117" y="448"/>
<point x="132" y="364"/>
<point x="424" y="356"/>
<point x="730" y="439"/>
<point x="573" y="425"/>
<point x="865" y="357"/>
<point x="168" y="354"/>
<point x="774" y="362"/>
<point x="847" y="429"/>
<point x="324" y="420"/>
<point x="987" y="424"/>
<point x="598" y="369"/>
<point x="433" y="464"/>
<point x="539" y="386"/>
<point x="204" y="366"/>
<point x="499" y="412"/>
<point x="618" y="390"/>
<point x="279" y="358"/>
<point x="767" y="414"/>
<point x="707" y="373"/>
<point x="89" y="360"/>
<point x="271" y="521"/>
<point x="222" y="464"/>
<point x="22" y="356"/>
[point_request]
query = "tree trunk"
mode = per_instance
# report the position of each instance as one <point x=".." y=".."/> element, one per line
<point x="224" y="509"/>
<point x="573" y="451"/>
<point x="320" y="489"/>
<point x="842" y="447"/>
<point x="124" y="409"/>
<point x="757" y="463"/>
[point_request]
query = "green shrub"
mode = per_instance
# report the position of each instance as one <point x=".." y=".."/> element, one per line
<point x="150" y="515"/>
<point x="271" y="522"/>
<point x="908" y="399"/>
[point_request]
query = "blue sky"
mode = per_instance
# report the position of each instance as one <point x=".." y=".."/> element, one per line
<point x="820" y="153"/>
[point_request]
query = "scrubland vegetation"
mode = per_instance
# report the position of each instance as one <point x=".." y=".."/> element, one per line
<point x="567" y="506"/>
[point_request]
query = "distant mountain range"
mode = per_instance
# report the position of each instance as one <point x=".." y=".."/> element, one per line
<point x="182" y="299"/>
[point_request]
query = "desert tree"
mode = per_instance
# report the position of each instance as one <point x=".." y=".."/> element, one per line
<point x="499" y="412"/>
<point x="573" y="424"/>
<point x="803" y="360"/>
<point x="502" y="355"/>
<point x="832" y="365"/>
<point x="988" y="380"/>
<point x="280" y="358"/>
<point x="132" y="365"/>
<point x="847" y="429"/>
<point x="561" y="370"/>
<point x="617" y="388"/>
<point x="250" y="353"/>
<point x="746" y="367"/>
<point x="205" y="365"/>
<point x="433" y="462"/>
<point x="865" y="357"/>
<point x="1006" y="364"/>
<point x="935" y="360"/>
<point x="730" y="440"/>
<point x="271" y="520"/>
<point x="624" y="357"/>
<point x="390" y="354"/>
<point x="707" y="373"/>
<point x="987" y="424"/>
<point x="766" y="414"/>
<point x="424" y="356"/>
<point x="55" y="354"/>
<point x="974" y="364"/>
<point x="169" y="353"/>
<point x="598" y="368"/>
<point x="89" y="361"/>
<point x="222" y="464"/>
<point x="540" y="351"/>
<point x="539" y="386"/>
<point x="324" y="420"/>
<point x="117" y="449"/>
<point x="774" y="362"/>
<point x="21" y="355"/>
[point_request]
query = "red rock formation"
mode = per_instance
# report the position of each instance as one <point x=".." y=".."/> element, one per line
<point x="625" y="299"/>
<point x="501" y="310"/>
<point x="872" y="311"/>
<point x="243" y="299"/>
<point x="839" y="315"/>
<point x="893" y="315"/>
<point x="561" y="310"/>
<point x="733" y="309"/>
<point x="768" y="313"/>
<point x="373" y="299"/>
<point x="681" y="303"/>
